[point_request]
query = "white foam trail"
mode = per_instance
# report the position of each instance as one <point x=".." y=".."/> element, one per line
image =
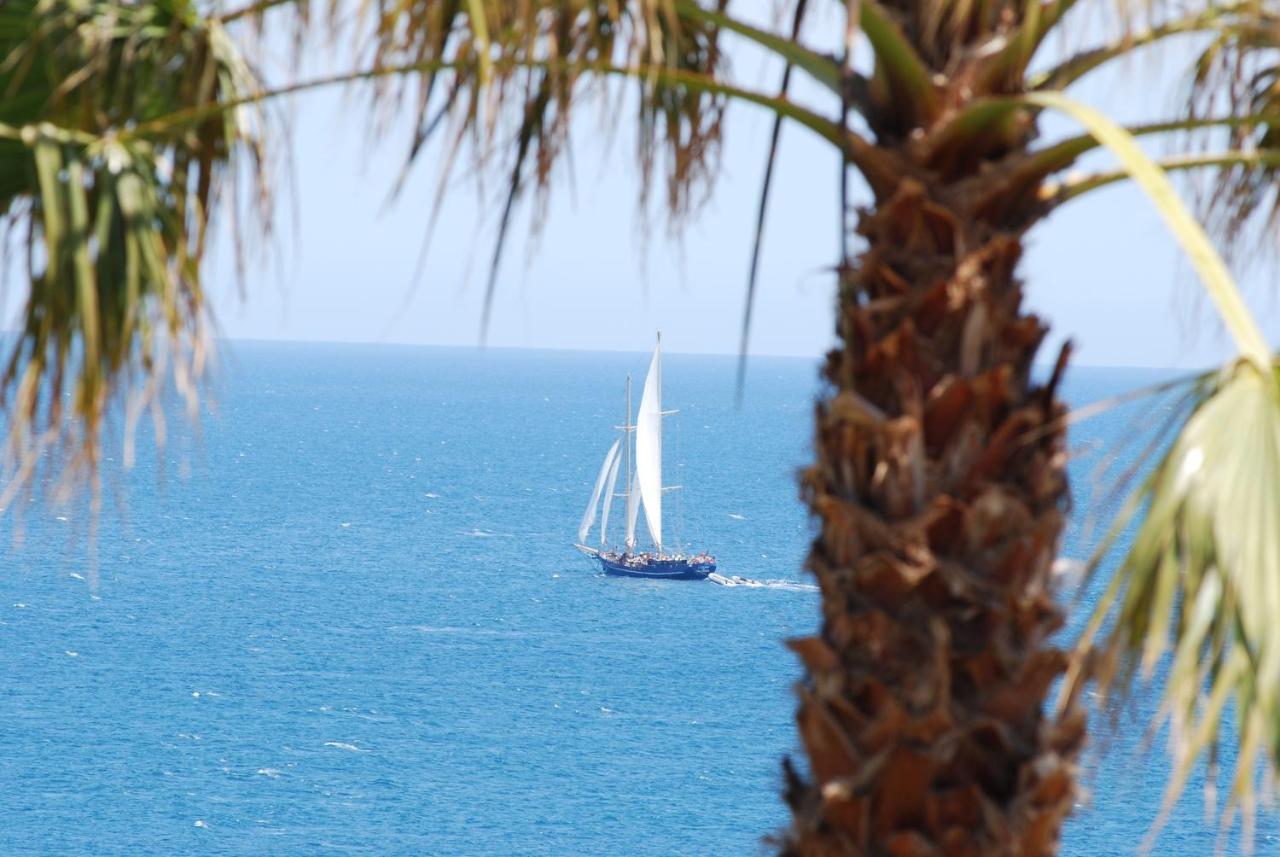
<point x="737" y="517"/>
<point x="341" y="746"/>
<point x="273" y="773"/>
<point x="734" y="580"/>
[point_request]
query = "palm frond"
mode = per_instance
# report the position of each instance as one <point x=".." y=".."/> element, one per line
<point x="518" y="69"/>
<point x="1256" y="160"/>
<point x="901" y="89"/>
<point x="1219" y="18"/>
<point x="1202" y="581"/>
<point x="1238" y="74"/>
<point x="115" y="227"/>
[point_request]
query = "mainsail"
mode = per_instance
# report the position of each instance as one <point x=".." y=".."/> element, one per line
<point x="589" y="516"/>
<point x="649" y="447"/>
<point x="608" y="496"/>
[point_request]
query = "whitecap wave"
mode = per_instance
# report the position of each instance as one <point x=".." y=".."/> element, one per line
<point x="343" y="746"/>
<point x="463" y="631"/>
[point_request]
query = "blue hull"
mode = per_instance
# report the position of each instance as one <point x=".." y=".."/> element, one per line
<point x="657" y="569"/>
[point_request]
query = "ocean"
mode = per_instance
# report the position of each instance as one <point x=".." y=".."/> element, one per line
<point x="343" y="615"/>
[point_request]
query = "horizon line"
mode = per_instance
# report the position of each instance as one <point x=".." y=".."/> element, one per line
<point x="477" y="346"/>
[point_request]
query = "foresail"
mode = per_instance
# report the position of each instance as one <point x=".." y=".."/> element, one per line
<point x="589" y="516"/>
<point x="649" y="447"/>
<point x="608" y="497"/>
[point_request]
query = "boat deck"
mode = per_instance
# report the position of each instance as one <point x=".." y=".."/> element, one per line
<point x="657" y="567"/>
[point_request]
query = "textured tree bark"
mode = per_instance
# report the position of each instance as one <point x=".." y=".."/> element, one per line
<point x="940" y="489"/>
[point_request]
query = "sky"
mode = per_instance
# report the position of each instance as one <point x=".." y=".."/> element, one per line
<point x="341" y="268"/>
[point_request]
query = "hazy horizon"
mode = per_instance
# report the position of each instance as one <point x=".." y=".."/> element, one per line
<point x="1045" y="359"/>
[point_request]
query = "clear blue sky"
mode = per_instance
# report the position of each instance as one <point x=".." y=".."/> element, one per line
<point x="1102" y="270"/>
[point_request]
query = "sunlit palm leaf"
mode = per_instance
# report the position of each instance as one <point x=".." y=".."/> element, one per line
<point x="115" y="226"/>
<point x="1202" y="580"/>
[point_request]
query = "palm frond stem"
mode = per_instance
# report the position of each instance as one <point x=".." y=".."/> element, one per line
<point x="822" y="68"/>
<point x="899" y="66"/>
<point x="1073" y="68"/>
<point x="1012" y="61"/>
<point x="256" y="8"/>
<point x="1030" y="167"/>
<point x="1070" y="189"/>
<point x="820" y="125"/>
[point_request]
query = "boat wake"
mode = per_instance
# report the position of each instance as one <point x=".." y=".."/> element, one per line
<point x="735" y="580"/>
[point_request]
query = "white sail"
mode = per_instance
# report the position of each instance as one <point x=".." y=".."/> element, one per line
<point x="633" y="512"/>
<point x="608" y="496"/>
<point x="649" y="447"/>
<point x="589" y="516"/>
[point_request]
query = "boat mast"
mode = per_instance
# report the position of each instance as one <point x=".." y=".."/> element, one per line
<point x="657" y="365"/>
<point x="626" y="434"/>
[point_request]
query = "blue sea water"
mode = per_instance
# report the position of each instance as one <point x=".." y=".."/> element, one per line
<point x="344" y="617"/>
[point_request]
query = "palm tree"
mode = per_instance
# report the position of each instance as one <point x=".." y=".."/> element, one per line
<point x="939" y="482"/>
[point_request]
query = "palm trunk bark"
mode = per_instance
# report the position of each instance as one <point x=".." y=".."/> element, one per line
<point x="940" y="489"/>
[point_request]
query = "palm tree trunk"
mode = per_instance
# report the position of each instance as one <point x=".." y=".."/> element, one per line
<point x="940" y="487"/>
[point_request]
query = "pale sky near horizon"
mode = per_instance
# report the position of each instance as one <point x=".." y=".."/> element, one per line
<point x="1102" y="270"/>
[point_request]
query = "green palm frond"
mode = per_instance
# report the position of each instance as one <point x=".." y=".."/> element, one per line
<point x="1218" y="18"/>
<point x="516" y="71"/>
<point x="1232" y="98"/>
<point x="1202" y="582"/>
<point x="1237" y="73"/>
<point x="115" y="226"/>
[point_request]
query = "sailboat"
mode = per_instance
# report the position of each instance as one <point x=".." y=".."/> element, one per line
<point x="642" y="488"/>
